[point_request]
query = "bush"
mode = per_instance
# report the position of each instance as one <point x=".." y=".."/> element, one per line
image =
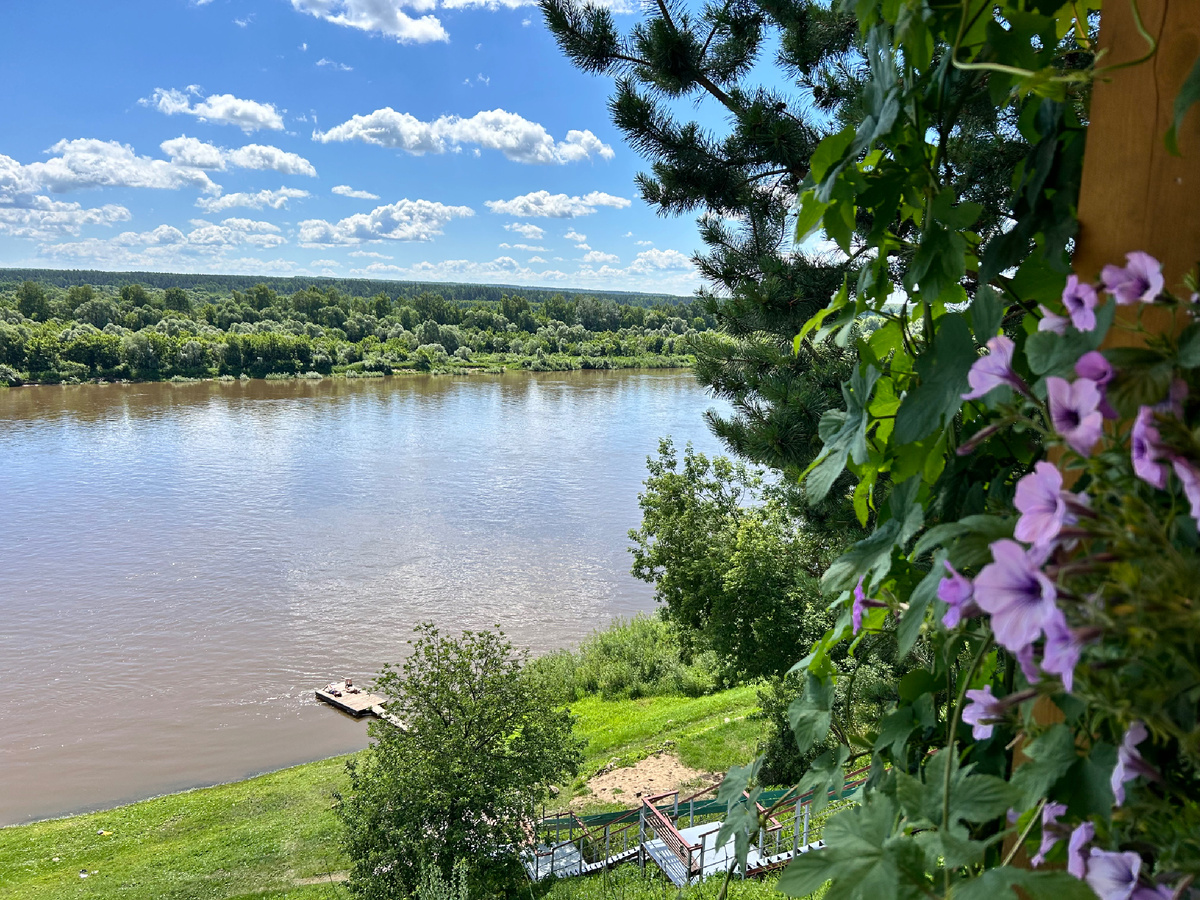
<point x="639" y="657"/>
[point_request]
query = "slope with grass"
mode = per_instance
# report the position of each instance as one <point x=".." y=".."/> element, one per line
<point x="275" y="836"/>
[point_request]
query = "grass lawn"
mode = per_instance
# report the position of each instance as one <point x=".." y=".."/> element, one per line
<point x="267" y="836"/>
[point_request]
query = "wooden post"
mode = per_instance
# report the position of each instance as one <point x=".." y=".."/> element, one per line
<point x="1134" y="194"/>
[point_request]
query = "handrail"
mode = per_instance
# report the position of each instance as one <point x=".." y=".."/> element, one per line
<point x="666" y="831"/>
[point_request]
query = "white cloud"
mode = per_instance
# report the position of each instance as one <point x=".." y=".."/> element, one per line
<point x="531" y="248"/>
<point x="167" y="246"/>
<point x="41" y="218"/>
<point x="88" y="163"/>
<point x="242" y="23"/>
<point x="558" y="206"/>
<point x="190" y="151"/>
<point x="406" y="220"/>
<point x="644" y="243"/>
<point x="583" y="245"/>
<point x="304" y="47"/>
<point x="526" y="230"/>
<point x="249" y="115"/>
<point x="369" y="254"/>
<point x="344" y="190"/>
<point x="327" y="263"/>
<point x="337" y="66"/>
<point x="516" y="137"/>
<point x="657" y="270"/>
<point x="260" y="200"/>
<point x="596" y="256"/>
<point x="525" y="23"/>
<point x="573" y="235"/>
<point x="382" y="16"/>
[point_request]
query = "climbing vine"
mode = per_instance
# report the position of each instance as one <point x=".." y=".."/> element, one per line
<point x="1032" y="491"/>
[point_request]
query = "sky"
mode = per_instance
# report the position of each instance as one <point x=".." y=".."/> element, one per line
<point x="429" y="140"/>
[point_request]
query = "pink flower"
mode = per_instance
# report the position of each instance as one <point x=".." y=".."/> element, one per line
<point x="1075" y="412"/>
<point x="1052" y="322"/>
<point x="1016" y="593"/>
<point x="1129" y="762"/>
<point x="1043" y="506"/>
<point x="1187" y="472"/>
<point x="957" y="592"/>
<point x="1093" y="366"/>
<point x="994" y="370"/>
<point x="1080" y="838"/>
<point x="1149" y="456"/>
<point x="981" y="711"/>
<point x="1080" y="301"/>
<point x="1140" y="281"/>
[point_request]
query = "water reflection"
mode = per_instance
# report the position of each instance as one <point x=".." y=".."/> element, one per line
<point x="183" y="563"/>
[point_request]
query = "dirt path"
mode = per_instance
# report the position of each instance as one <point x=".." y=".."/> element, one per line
<point x="656" y="774"/>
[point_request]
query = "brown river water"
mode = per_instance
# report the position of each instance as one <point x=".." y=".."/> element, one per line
<point x="180" y="565"/>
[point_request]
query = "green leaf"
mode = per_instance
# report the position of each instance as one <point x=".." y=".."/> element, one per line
<point x="1087" y="788"/>
<point x="809" y="217"/>
<point x="894" y="730"/>
<point x="999" y="884"/>
<point x="1189" y="346"/>
<point x="942" y="370"/>
<point x="829" y="152"/>
<point x="918" y="602"/>
<point x="986" y="312"/>
<point x="1056" y="354"/>
<point x="1189" y="93"/>
<point x="871" y="558"/>
<point x="844" y="434"/>
<point x="810" y="713"/>
<point x="1051" y="755"/>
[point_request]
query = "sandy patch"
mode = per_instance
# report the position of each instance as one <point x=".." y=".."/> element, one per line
<point x="656" y="774"/>
<point x="330" y="878"/>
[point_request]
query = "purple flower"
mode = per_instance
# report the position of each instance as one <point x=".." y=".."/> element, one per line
<point x="1113" y="876"/>
<point x="860" y="606"/>
<point x="1080" y="301"/>
<point x="1129" y="762"/>
<point x="1140" y="281"/>
<point x="1080" y="838"/>
<point x="1043" y="506"/>
<point x="983" y="708"/>
<point x="1075" y="412"/>
<point x="1149" y="456"/>
<point x="957" y="592"/>
<point x="1052" y="832"/>
<point x="1029" y="666"/>
<point x="1093" y="366"/>
<point x="1051" y="321"/>
<point x="1158" y="892"/>
<point x="1019" y="597"/>
<point x="994" y="370"/>
<point x="1062" y="651"/>
<point x="1187" y="472"/>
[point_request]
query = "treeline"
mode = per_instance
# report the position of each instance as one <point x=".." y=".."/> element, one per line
<point x="51" y="334"/>
<point x="215" y="285"/>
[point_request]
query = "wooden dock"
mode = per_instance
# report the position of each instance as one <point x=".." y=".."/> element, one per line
<point x="354" y="702"/>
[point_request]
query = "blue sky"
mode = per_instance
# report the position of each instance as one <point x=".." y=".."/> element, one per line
<point x="442" y="140"/>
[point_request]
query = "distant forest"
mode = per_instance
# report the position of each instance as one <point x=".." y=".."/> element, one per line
<point x="74" y="326"/>
<point x="11" y="279"/>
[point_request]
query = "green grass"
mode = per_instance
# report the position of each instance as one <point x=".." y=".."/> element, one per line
<point x="258" y="838"/>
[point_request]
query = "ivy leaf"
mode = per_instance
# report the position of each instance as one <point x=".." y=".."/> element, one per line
<point x="1051" y="755"/>
<point x="844" y="434"/>
<point x="809" y="714"/>
<point x="942" y="370"/>
<point x="1189" y="93"/>
<point x="999" y="884"/>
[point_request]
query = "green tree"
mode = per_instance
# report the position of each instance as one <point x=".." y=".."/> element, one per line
<point x="79" y="294"/>
<point x="32" y="302"/>
<point x="460" y="781"/>
<point x="176" y="298"/>
<point x="134" y="295"/>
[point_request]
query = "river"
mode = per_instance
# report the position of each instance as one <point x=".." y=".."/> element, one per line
<point x="182" y="564"/>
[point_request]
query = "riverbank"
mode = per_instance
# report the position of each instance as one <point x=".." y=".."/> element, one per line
<point x="276" y="836"/>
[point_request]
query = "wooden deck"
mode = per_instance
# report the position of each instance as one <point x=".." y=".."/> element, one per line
<point x="357" y="705"/>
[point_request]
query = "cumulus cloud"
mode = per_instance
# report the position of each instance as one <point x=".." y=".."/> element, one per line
<point x="88" y="163"/>
<point x="532" y="248"/>
<point x="189" y="151"/>
<point x="369" y="254"/>
<point x="573" y="235"/>
<point x="526" y="230"/>
<point x="557" y="206"/>
<point x="41" y="218"/>
<point x="259" y="200"/>
<point x="248" y="115"/>
<point x="206" y="244"/>
<point x="344" y="190"/>
<point x="658" y="270"/>
<point x="596" y="256"/>
<point x="516" y="137"/>
<point x="644" y="243"/>
<point x="406" y="220"/>
<point x="381" y="16"/>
